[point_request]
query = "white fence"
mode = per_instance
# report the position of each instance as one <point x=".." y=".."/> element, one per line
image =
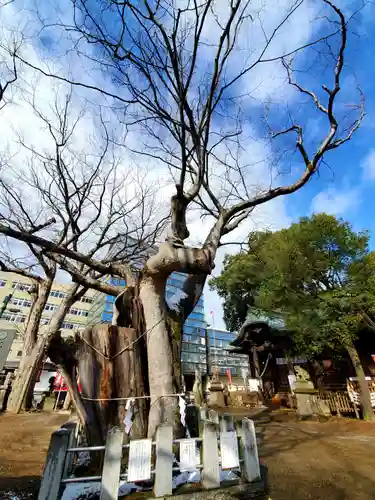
<point x="221" y="447"/>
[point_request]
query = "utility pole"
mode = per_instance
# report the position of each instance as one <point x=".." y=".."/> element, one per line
<point x="5" y="303"/>
<point x="208" y="354"/>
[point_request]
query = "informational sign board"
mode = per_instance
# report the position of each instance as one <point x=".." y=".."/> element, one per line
<point x="254" y="384"/>
<point x="229" y="450"/>
<point x="295" y="361"/>
<point x="6" y="340"/>
<point x="188" y="455"/>
<point x="139" y="468"/>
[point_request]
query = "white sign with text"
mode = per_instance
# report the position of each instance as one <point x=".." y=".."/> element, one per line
<point x="188" y="455"/>
<point x="139" y="468"/>
<point x="229" y="450"/>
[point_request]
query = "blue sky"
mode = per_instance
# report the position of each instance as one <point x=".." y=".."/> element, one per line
<point x="345" y="184"/>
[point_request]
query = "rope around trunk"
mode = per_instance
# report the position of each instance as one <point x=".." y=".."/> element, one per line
<point x="125" y="348"/>
<point x="133" y="397"/>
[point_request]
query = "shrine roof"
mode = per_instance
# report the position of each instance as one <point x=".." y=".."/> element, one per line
<point x="259" y="323"/>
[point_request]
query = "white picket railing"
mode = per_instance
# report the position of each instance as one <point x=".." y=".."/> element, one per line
<point x="60" y="458"/>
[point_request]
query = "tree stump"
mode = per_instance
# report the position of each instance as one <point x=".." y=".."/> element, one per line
<point x="111" y="366"/>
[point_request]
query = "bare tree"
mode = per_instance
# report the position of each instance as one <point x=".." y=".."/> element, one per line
<point x="87" y="206"/>
<point x="178" y="72"/>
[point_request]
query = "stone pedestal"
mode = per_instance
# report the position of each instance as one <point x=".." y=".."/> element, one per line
<point x="217" y="398"/>
<point x="305" y="395"/>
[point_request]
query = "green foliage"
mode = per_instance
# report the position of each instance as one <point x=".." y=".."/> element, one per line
<point x="318" y="273"/>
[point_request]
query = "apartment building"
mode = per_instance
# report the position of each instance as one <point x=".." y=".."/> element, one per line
<point x="18" y="308"/>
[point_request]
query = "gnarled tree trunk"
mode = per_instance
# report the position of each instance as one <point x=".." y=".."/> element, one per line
<point x="32" y="353"/>
<point x="164" y="405"/>
<point x="111" y="364"/>
<point x="367" y="411"/>
<point x="34" y="360"/>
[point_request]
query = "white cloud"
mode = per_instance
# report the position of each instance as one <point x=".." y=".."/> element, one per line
<point x="368" y="166"/>
<point x="268" y="80"/>
<point x="335" y="201"/>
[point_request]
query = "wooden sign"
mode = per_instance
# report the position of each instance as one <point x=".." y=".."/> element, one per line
<point x="139" y="468"/>
<point x="188" y="455"/>
<point x="229" y="450"/>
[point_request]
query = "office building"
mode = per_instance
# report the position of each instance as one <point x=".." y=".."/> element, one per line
<point x="193" y="352"/>
<point x="194" y="327"/>
<point x="223" y="357"/>
<point x="18" y="308"/>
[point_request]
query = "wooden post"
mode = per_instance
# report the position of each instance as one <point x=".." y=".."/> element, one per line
<point x="164" y="461"/>
<point x="213" y="416"/>
<point x="67" y="401"/>
<point x="227" y="423"/>
<point x="250" y="447"/>
<point x="68" y="466"/>
<point x="53" y="470"/>
<point x="211" y="470"/>
<point x="112" y="465"/>
<point x="4" y="389"/>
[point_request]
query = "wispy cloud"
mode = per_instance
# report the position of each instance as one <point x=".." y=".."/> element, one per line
<point x="336" y="201"/>
<point x="368" y="166"/>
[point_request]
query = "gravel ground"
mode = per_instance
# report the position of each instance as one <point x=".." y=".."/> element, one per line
<point x="334" y="460"/>
<point x="311" y="460"/>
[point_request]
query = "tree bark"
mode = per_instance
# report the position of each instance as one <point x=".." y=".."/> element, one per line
<point x="110" y="370"/>
<point x="27" y="373"/>
<point x="23" y="383"/>
<point x="159" y="352"/>
<point x="367" y="411"/>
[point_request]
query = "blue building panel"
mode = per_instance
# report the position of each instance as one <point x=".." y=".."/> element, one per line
<point x="193" y="352"/>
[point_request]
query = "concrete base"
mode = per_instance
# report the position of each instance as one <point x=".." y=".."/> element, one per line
<point x="217" y="398"/>
<point x="304" y="405"/>
<point x="242" y="490"/>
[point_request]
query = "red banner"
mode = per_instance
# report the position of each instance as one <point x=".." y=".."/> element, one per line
<point x="60" y="384"/>
<point x="229" y="377"/>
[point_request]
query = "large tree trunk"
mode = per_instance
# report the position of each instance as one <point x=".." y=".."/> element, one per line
<point x="110" y="367"/>
<point x="162" y="380"/>
<point x="32" y="354"/>
<point x="24" y="379"/>
<point x="26" y="376"/>
<point x="366" y="407"/>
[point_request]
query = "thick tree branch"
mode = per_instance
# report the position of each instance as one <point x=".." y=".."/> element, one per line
<point x="21" y="272"/>
<point x="122" y="270"/>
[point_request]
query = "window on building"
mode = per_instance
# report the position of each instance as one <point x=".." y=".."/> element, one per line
<point x="118" y="281"/>
<point x="108" y="307"/>
<point x="87" y="300"/>
<point x="17" y="285"/>
<point x="14" y="318"/>
<point x="50" y="307"/>
<point x="57" y="294"/>
<point x="194" y="322"/>
<point x="21" y="302"/>
<point x="78" y="312"/>
<point x="69" y="326"/>
<point x="107" y="317"/>
<point x="19" y="354"/>
<point x="45" y="321"/>
<point x="3" y="283"/>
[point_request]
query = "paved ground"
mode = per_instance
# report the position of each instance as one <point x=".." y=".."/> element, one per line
<point x="308" y="460"/>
